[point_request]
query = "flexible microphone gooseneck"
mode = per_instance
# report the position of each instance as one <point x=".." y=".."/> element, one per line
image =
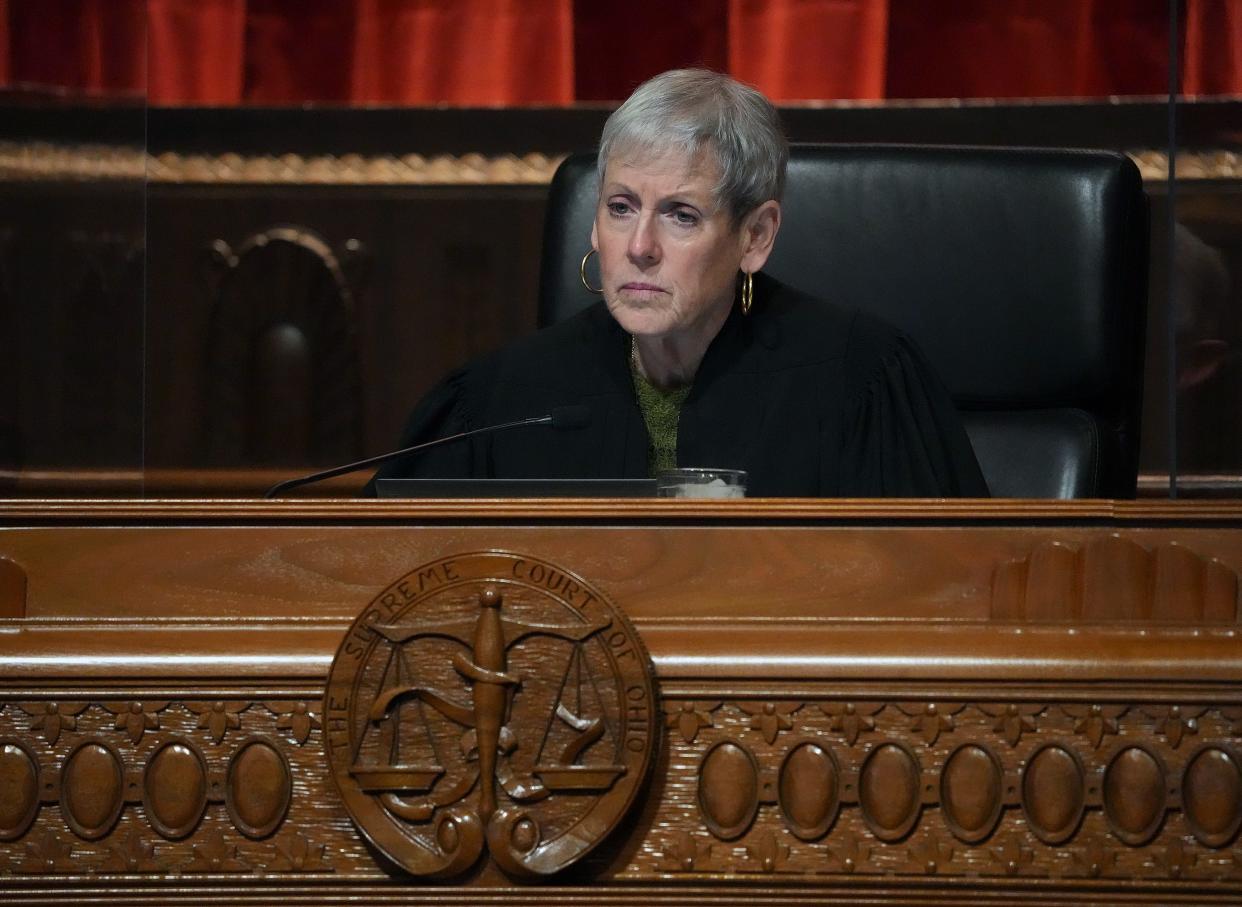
<point x="561" y="417"/>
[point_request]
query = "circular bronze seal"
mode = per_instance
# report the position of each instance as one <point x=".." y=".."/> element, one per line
<point x="494" y="701"/>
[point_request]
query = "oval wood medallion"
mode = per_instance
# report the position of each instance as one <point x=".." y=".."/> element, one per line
<point x="728" y="789"/>
<point x="92" y="789"/>
<point x="809" y="790"/>
<point x="1053" y="793"/>
<point x="1134" y="796"/>
<point x="258" y="789"/>
<point x="19" y="789"/>
<point x="174" y="789"/>
<point x="971" y="792"/>
<point x="1212" y="796"/>
<point x="493" y="703"/>
<point x="888" y="791"/>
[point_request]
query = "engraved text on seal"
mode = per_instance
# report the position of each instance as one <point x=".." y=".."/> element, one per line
<point x="489" y="701"/>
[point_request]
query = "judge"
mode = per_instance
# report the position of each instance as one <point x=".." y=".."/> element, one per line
<point x="694" y="357"/>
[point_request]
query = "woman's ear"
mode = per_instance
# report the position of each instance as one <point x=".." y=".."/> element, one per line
<point x="760" y="229"/>
<point x="594" y="238"/>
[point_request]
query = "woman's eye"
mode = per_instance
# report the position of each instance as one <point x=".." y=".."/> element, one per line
<point x="685" y="218"/>
<point x="618" y="208"/>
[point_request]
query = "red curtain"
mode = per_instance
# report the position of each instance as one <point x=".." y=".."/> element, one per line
<point x="5" y="66"/>
<point x="618" y="45"/>
<point x="197" y="51"/>
<point x="1213" y="47"/>
<point x="797" y="49"/>
<point x="490" y="52"/>
<point x="92" y="46"/>
<point x="1028" y="48"/>
<point x="515" y="52"/>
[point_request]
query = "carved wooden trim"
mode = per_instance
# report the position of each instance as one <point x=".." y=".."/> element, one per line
<point x="42" y="160"/>
<point x="35" y="511"/>
<point x="698" y="660"/>
<point x="814" y="803"/>
<point x="917" y="754"/>
<point x="1209" y="164"/>
<point x="1113" y="577"/>
<point x="45" y="161"/>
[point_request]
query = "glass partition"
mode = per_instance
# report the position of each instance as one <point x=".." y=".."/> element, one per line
<point x="326" y="207"/>
<point x="1199" y="224"/>
<point x="72" y="248"/>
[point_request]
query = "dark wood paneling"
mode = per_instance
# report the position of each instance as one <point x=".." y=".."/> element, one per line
<point x="451" y="273"/>
<point x="72" y="288"/>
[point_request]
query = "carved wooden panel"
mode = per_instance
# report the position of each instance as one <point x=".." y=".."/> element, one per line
<point x="1113" y="577"/>
<point x="282" y="351"/>
<point x="901" y="758"/>
<point x="1026" y="788"/>
<point x="490" y="702"/>
<point x="1054" y="790"/>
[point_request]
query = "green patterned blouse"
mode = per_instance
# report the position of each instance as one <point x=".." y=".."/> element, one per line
<point x="661" y="410"/>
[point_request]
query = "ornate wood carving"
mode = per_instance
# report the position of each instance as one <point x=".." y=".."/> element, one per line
<point x="12" y="589"/>
<point x="850" y="762"/>
<point x="489" y="701"/>
<point x="41" y="160"/>
<point x="282" y="352"/>
<point x="1114" y="577"/>
<point x="807" y="805"/>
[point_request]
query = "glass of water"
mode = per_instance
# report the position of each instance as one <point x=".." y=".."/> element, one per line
<point x="699" y="482"/>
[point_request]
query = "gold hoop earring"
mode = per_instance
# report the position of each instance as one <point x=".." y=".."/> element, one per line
<point x="748" y="293"/>
<point x="582" y="274"/>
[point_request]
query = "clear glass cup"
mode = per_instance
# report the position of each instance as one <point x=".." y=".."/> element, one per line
<point x="699" y="482"/>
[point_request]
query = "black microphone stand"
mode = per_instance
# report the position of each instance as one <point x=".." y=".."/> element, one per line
<point x="289" y="484"/>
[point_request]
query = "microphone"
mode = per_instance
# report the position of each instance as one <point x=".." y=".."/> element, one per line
<point x="560" y="417"/>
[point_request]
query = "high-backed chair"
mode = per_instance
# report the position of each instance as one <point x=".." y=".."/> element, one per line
<point x="1021" y="273"/>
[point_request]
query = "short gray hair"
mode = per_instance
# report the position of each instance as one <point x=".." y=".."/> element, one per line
<point x="690" y="109"/>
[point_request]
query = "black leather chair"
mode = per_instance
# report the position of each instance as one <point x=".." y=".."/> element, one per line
<point x="1021" y="273"/>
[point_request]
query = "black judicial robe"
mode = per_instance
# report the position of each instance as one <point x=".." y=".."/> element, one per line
<point x="809" y="398"/>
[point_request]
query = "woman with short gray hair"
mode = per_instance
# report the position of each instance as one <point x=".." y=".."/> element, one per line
<point x="695" y="358"/>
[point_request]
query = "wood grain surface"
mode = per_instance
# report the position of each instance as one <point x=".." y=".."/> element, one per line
<point x="883" y="701"/>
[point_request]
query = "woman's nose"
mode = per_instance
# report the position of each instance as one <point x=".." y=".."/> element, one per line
<point x="644" y="247"/>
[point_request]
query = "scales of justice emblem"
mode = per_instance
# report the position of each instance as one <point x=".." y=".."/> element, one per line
<point x="489" y="701"/>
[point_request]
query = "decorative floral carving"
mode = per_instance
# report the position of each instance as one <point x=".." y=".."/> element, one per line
<point x="136" y="717"/>
<point x="215" y="856"/>
<point x="930" y="718"/>
<point x="294" y="853"/>
<point x="1094" y="859"/>
<point x="689" y="717"/>
<point x="1013" y="855"/>
<point x="849" y="853"/>
<point x="928" y="855"/>
<point x="135" y="855"/>
<point x="217" y="717"/>
<point x="53" y="717"/>
<point x="1234" y="716"/>
<point x="685" y="852"/>
<point x="48" y="853"/>
<point x="850" y="718"/>
<point x="296" y="717"/>
<point x="1175" y="721"/>
<point x="1094" y="721"/>
<point x="1013" y="719"/>
<point x="769" y="852"/>
<point x="1176" y="860"/>
<point x="770" y="718"/>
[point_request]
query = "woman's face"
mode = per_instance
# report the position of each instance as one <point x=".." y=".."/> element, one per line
<point x="668" y="255"/>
